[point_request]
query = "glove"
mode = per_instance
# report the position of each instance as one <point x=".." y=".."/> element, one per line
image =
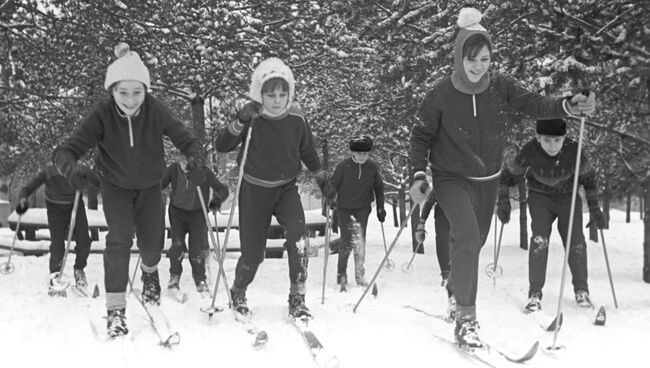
<point x="582" y="103"/>
<point x="327" y="190"/>
<point x="215" y="203"/>
<point x="79" y="177"/>
<point x="381" y="214"/>
<point x="596" y="217"/>
<point x="195" y="171"/>
<point x="503" y="211"/>
<point x="249" y="111"/>
<point x="420" y="189"/>
<point x="420" y="233"/>
<point x="22" y="206"/>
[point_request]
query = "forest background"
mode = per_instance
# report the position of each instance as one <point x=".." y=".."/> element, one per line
<point x="362" y="67"/>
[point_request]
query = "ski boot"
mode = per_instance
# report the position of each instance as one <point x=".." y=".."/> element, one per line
<point x="202" y="287"/>
<point x="116" y="323"/>
<point x="239" y="302"/>
<point x="174" y="282"/>
<point x="582" y="298"/>
<point x="151" y="287"/>
<point x="534" y="303"/>
<point x="54" y="291"/>
<point x="80" y="279"/>
<point x="342" y="279"/>
<point x="466" y="334"/>
<point x="297" y="307"/>
<point x="445" y="279"/>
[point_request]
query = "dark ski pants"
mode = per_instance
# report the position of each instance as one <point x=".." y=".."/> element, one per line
<point x="469" y="206"/>
<point x="58" y="221"/>
<point x="442" y="228"/>
<point x="353" y="224"/>
<point x="256" y="206"/>
<point x="125" y="209"/>
<point x="192" y="223"/>
<point x="544" y="210"/>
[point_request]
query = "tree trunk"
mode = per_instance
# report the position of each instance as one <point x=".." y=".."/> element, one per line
<point x="641" y="204"/>
<point x="607" y="199"/>
<point x="628" y="205"/>
<point x="401" y="195"/>
<point x="326" y="156"/>
<point x="198" y="118"/>
<point x="523" y="220"/>
<point x="646" y="232"/>
<point x="393" y="204"/>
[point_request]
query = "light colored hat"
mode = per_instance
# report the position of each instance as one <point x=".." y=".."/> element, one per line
<point x="128" y="66"/>
<point x="269" y="69"/>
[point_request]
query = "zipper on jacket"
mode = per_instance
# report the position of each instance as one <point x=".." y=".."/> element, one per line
<point x="131" y="131"/>
<point x="474" y="104"/>
<point x="359" y="171"/>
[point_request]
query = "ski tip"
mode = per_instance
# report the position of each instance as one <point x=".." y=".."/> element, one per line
<point x="557" y="323"/>
<point x="601" y="316"/>
<point x="96" y="291"/>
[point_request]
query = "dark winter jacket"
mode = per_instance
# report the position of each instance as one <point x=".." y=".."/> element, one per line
<point x="276" y="149"/>
<point x="552" y="175"/>
<point x="184" y="196"/>
<point x="464" y="133"/>
<point x="131" y="151"/>
<point x="57" y="189"/>
<point x="357" y="185"/>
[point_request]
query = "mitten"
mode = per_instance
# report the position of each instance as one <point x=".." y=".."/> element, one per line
<point x="79" y="177"/>
<point x="249" y="111"/>
<point x="327" y="190"/>
<point x="597" y="217"/>
<point x="420" y="233"/>
<point x="215" y="203"/>
<point x="582" y="103"/>
<point x="22" y="206"/>
<point x="420" y="189"/>
<point x="503" y="206"/>
<point x="381" y="214"/>
<point x="195" y="171"/>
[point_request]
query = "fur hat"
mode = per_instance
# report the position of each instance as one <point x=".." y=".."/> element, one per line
<point x="469" y="23"/>
<point x="361" y="143"/>
<point x="269" y="69"/>
<point x="128" y="66"/>
<point x="551" y="127"/>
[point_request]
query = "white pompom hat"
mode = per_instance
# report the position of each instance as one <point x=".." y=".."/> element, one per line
<point x="128" y="66"/>
<point x="269" y="69"/>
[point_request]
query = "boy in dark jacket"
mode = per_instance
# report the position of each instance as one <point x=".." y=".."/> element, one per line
<point x="128" y="128"/>
<point x="461" y="134"/>
<point x="186" y="218"/>
<point x="358" y="182"/>
<point x="281" y="141"/>
<point x="548" y="164"/>
<point x="59" y="201"/>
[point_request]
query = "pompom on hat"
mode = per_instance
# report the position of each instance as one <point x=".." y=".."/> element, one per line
<point x="555" y="127"/>
<point x="361" y="143"/>
<point x="128" y="66"/>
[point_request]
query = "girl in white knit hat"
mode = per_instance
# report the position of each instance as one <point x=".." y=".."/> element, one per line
<point x="128" y="127"/>
<point x="461" y="134"/>
<point x="281" y="141"/>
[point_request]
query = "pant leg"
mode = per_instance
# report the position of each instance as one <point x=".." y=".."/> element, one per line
<point x="118" y="206"/>
<point x="542" y="215"/>
<point x="345" y="243"/>
<point x="58" y="219"/>
<point x="359" y="246"/>
<point x="198" y="244"/>
<point x="578" y="251"/>
<point x="469" y="207"/>
<point x="178" y="230"/>
<point x="255" y="210"/>
<point x="82" y="237"/>
<point x="291" y="216"/>
<point x="442" y="239"/>
<point x="148" y="214"/>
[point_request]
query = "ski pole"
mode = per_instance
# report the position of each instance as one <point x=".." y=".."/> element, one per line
<point x="8" y="267"/>
<point x="56" y="279"/>
<point x="389" y="262"/>
<point x="390" y="249"/>
<point x="408" y="267"/>
<point x="493" y="270"/>
<point x="232" y="208"/>
<point x="609" y="271"/>
<point x="326" y="251"/>
<point x="135" y="272"/>
<point x="220" y="270"/>
<point x="168" y="341"/>
<point x="574" y="193"/>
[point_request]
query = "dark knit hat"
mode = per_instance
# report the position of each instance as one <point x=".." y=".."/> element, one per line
<point x="361" y="143"/>
<point x="551" y="127"/>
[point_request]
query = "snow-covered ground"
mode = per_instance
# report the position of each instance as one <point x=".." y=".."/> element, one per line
<point x="37" y="330"/>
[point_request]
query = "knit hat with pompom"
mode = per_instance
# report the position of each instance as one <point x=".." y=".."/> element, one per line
<point x="469" y="22"/>
<point x="269" y="69"/>
<point x="128" y="66"/>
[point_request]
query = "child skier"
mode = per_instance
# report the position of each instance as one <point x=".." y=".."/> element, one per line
<point x="127" y="128"/>
<point x="59" y="201"/>
<point x="358" y="183"/>
<point x="280" y="140"/>
<point x="548" y="163"/>
<point x="186" y="217"/>
<point x="462" y="129"/>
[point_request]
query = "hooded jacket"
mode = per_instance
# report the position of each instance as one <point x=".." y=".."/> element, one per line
<point x="130" y="154"/>
<point x="357" y="185"/>
<point x="279" y="145"/>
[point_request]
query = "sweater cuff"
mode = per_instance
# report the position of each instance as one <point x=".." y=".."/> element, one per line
<point x="235" y="128"/>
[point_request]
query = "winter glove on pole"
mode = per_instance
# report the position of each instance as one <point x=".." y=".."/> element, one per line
<point x="215" y="203"/>
<point x="327" y="190"/>
<point x="597" y="217"/>
<point x="381" y="214"/>
<point x="420" y="189"/>
<point x="248" y="112"/>
<point x="79" y="177"/>
<point x="581" y="104"/>
<point x="195" y="171"/>
<point x="22" y="206"/>
<point x="420" y="233"/>
<point x="503" y="207"/>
